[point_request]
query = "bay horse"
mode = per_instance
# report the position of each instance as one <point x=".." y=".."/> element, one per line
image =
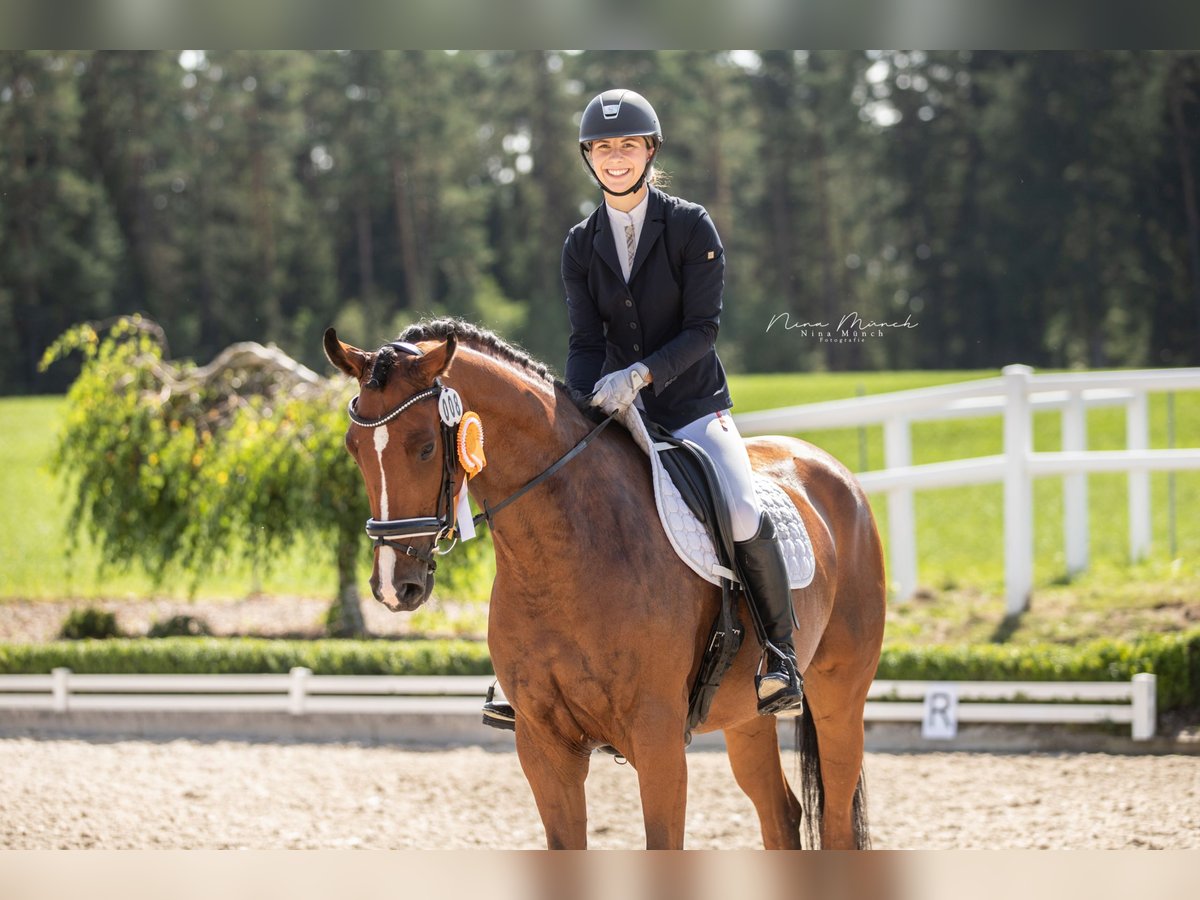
<point x="596" y="628"/>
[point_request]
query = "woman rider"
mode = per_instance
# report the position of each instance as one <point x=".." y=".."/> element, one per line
<point x="644" y="278"/>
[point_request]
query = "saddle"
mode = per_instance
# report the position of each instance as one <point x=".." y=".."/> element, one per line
<point x="691" y="500"/>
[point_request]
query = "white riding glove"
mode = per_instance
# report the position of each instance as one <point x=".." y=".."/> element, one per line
<point x="617" y="390"/>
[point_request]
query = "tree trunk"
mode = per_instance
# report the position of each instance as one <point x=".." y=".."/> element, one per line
<point x="1188" y="186"/>
<point x="406" y="235"/>
<point x="835" y="355"/>
<point x="264" y="227"/>
<point x="29" y="314"/>
<point x="142" y="226"/>
<point x="366" y="248"/>
<point x="345" y="617"/>
<point x="213" y="331"/>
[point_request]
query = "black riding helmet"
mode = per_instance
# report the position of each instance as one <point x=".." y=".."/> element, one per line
<point x="618" y="113"/>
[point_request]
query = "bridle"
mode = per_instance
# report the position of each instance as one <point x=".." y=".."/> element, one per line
<point x="441" y="525"/>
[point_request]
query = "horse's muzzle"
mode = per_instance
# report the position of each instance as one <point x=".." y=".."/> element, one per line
<point x="402" y="594"/>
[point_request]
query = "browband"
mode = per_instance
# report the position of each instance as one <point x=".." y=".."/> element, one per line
<point x="405" y="347"/>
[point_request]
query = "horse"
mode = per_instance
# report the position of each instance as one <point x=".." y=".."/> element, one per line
<point x="596" y="628"/>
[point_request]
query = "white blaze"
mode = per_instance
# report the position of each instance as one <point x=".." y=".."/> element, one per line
<point x="387" y="556"/>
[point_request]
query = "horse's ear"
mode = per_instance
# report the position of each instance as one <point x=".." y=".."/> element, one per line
<point x="437" y="361"/>
<point x="349" y="359"/>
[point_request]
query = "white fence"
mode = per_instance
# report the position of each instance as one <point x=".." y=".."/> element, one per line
<point x="1016" y="395"/>
<point x="1079" y="702"/>
<point x="301" y="693"/>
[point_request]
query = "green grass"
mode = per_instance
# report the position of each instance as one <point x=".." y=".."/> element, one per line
<point x="44" y="558"/>
<point x="959" y="529"/>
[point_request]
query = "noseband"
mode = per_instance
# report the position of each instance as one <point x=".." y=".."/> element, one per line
<point x="441" y="525"/>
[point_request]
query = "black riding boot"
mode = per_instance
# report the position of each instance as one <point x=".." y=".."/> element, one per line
<point x="780" y="688"/>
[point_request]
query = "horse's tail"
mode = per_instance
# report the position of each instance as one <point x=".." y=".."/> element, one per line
<point x="812" y="789"/>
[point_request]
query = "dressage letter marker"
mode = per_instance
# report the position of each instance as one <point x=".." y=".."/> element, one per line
<point x="940" y="721"/>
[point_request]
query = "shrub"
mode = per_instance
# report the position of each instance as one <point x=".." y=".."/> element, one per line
<point x="202" y="457"/>
<point x="89" y="622"/>
<point x="180" y="626"/>
<point x="215" y="656"/>
<point x="1174" y="658"/>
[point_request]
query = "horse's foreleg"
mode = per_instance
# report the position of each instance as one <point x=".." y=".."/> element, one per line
<point x="754" y="757"/>
<point x="658" y="755"/>
<point x="556" y="773"/>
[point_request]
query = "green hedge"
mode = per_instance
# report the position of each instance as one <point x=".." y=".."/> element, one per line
<point x="1174" y="658"/>
<point x="213" y="656"/>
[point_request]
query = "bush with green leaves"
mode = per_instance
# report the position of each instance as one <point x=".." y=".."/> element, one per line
<point x="180" y="466"/>
<point x="221" y="656"/>
<point x="89" y="622"/>
<point x="1174" y="658"/>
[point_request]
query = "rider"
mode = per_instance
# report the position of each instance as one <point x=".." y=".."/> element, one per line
<point x="644" y="278"/>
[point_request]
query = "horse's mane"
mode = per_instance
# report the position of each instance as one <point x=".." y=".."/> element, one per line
<point x="481" y="339"/>
<point x="476" y="338"/>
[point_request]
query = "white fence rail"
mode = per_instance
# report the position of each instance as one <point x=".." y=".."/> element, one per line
<point x="1016" y="395"/>
<point x="1090" y="702"/>
<point x="301" y="693"/>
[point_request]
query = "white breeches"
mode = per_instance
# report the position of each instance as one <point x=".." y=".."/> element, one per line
<point x="720" y="439"/>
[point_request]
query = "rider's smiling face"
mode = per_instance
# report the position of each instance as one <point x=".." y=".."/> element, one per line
<point x="620" y="162"/>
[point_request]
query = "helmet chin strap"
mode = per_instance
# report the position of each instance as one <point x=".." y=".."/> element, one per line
<point x="637" y="186"/>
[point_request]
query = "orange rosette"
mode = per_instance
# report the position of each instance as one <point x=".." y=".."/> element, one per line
<point x="470" y="444"/>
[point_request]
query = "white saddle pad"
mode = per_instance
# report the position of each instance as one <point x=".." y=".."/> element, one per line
<point x="689" y="537"/>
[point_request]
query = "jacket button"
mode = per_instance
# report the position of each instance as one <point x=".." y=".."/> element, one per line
<point x="628" y="302"/>
<point x="637" y="349"/>
<point x="633" y="324"/>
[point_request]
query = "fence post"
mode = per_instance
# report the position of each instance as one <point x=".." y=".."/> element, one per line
<point x="61" y="689"/>
<point x="1137" y="437"/>
<point x="1075" y="487"/>
<point x="1018" y="489"/>
<point x="1145" y="706"/>
<point x="298" y="690"/>
<point x="902" y="526"/>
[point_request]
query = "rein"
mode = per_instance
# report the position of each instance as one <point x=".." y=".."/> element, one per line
<point x="489" y="511"/>
<point x="441" y="526"/>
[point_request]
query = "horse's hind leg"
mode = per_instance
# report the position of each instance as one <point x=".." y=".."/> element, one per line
<point x="754" y="757"/>
<point x="837" y="709"/>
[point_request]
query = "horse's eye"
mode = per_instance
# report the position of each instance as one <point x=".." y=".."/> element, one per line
<point x="427" y="451"/>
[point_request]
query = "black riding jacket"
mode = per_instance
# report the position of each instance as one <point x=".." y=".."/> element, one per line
<point x="667" y="316"/>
